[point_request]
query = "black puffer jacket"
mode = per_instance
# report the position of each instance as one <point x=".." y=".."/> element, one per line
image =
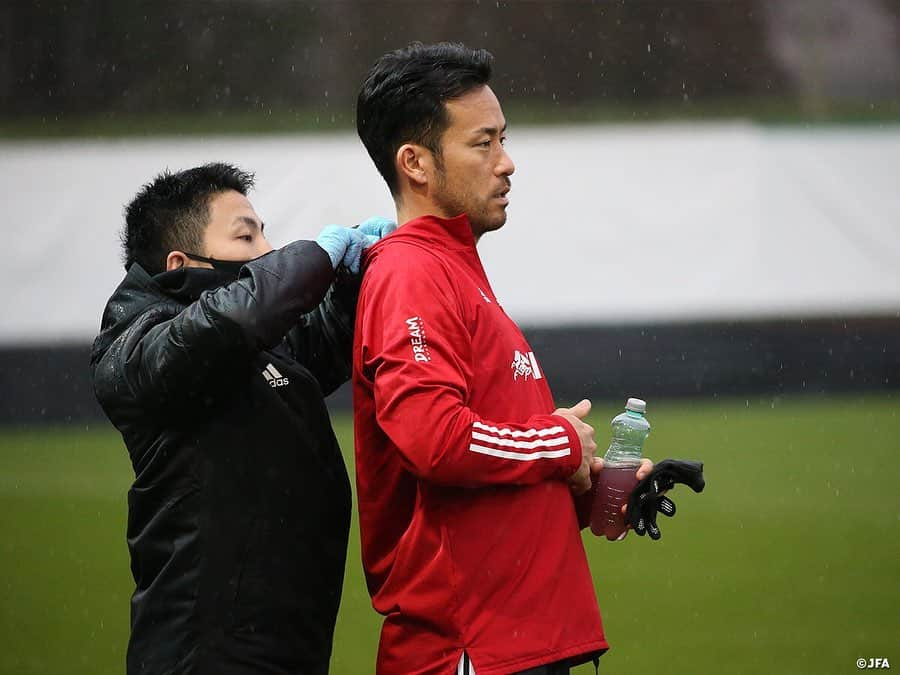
<point x="240" y="509"/>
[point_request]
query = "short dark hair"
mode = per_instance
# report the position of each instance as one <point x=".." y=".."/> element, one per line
<point x="402" y="98"/>
<point x="172" y="211"/>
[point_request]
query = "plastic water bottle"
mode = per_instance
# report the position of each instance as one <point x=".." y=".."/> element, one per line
<point x="620" y="465"/>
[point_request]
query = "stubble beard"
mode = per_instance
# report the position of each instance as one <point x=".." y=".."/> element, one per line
<point x="454" y="204"/>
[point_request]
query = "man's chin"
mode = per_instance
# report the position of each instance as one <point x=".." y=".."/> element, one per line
<point x="496" y="222"/>
<point x="484" y="226"/>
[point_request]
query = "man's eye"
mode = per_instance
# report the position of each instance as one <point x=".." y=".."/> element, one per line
<point x="246" y="237"/>
<point x="503" y="140"/>
<point x="484" y="144"/>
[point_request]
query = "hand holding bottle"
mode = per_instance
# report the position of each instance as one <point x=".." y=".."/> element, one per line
<point x="581" y="479"/>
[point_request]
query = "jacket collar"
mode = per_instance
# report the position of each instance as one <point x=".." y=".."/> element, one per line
<point x="139" y="291"/>
<point x="455" y="233"/>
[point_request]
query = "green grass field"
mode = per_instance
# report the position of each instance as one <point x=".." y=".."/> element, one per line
<point x="789" y="562"/>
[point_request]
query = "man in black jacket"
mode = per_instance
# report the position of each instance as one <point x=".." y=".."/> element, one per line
<point x="214" y="358"/>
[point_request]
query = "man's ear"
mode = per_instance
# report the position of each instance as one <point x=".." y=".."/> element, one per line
<point x="176" y="260"/>
<point x="413" y="163"/>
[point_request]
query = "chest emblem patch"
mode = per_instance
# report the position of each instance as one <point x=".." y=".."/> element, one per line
<point x="525" y="366"/>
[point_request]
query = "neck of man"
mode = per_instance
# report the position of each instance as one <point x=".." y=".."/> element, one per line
<point x="412" y="205"/>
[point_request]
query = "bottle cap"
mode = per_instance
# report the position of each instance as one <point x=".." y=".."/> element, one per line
<point x="636" y="405"/>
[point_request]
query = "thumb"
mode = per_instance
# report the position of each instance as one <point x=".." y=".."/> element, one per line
<point x="581" y="409"/>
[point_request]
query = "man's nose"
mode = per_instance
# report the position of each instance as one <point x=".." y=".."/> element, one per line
<point x="263" y="245"/>
<point x="505" y="166"/>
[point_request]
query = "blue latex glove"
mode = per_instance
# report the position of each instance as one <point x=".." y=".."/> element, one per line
<point x="344" y="245"/>
<point x="380" y="227"/>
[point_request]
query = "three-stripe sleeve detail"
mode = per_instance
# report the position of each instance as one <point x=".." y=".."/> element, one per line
<point x="548" y="443"/>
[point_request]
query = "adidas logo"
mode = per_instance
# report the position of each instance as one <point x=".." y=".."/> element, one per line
<point x="273" y="377"/>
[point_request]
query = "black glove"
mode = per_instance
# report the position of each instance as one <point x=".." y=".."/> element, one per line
<point x="646" y="500"/>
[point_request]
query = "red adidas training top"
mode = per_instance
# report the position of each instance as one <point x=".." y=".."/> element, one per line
<point x="469" y="535"/>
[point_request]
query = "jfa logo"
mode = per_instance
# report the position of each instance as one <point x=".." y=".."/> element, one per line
<point x="416" y="328"/>
<point x="525" y="365"/>
<point x="876" y="662"/>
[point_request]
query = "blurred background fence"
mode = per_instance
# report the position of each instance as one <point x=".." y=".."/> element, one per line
<point x="275" y="63"/>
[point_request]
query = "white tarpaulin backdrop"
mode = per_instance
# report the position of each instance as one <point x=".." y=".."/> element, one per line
<point x="607" y="224"/>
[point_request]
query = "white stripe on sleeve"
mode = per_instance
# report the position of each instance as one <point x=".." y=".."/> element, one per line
<point x="525" y="445"/>
<point x="521" y="456"/>
<point x="520" y="434"/>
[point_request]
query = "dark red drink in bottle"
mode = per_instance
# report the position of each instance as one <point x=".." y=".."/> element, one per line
<point x="611" y="492"/>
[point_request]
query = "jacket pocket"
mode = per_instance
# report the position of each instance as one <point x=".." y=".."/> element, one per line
<point x="254" y="590"/>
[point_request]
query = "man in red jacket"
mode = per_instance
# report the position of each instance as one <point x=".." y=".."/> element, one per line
<point x="466" y="474"/>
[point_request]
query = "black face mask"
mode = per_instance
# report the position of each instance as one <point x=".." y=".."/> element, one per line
<point x="229" y="268"/>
